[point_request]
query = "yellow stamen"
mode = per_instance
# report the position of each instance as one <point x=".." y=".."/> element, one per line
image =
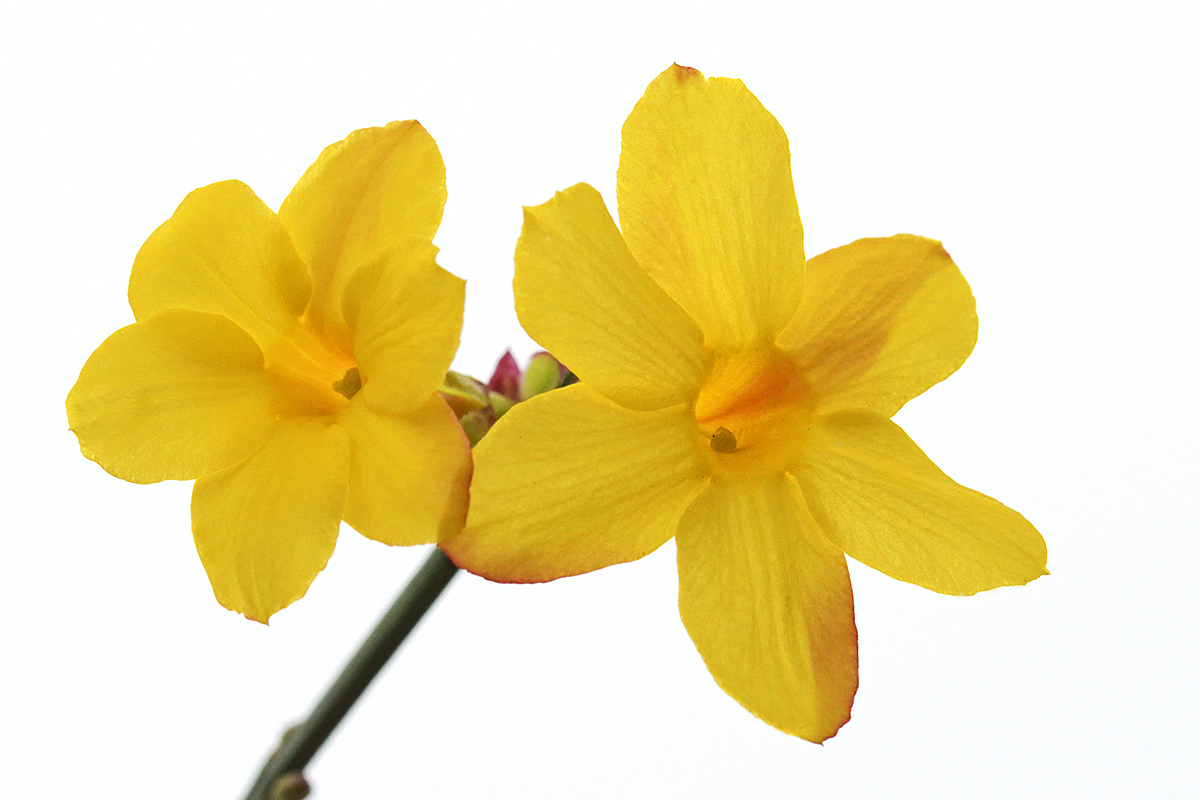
<point x="723" y="441"/>
<point x="350" y="383"/>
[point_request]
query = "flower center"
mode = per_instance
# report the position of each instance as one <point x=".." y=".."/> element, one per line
<point x="314" y="376"/>
<point x="753" y="412"/>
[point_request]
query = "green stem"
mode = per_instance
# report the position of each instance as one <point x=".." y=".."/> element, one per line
<point x="302" y="742"/>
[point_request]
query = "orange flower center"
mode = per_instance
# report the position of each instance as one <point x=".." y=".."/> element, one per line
<point x="753" y="412"/>
<point x="314" y="376"/>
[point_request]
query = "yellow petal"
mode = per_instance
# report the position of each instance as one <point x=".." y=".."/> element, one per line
<point x="406" y="314"/>
<point x="356" y="198"/>
<point x="581" y="296"/>
<point x="266" y="527"/>
<point x="408" y="474"/>
<point x="767" y="601"/>
<point x="707" y="206"/>
<point x="568" y="482"/>
<point x="882" y="501"/>
<point x="882" y="320"/>
<point x="178" y="395"/>
<point x="224" y="252"/>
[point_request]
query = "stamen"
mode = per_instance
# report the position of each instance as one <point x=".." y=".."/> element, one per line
<point x="350" y="383"/>
<point x="723" y="441"/>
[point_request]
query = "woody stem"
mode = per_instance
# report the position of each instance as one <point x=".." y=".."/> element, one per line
<point x="301" y="742"/>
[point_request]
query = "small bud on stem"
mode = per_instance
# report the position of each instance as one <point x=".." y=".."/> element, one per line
<point x="291" y="786"/>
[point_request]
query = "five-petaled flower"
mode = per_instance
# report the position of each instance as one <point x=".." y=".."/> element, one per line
<point x="289" y="363"/>
<point x="737" y="398"/>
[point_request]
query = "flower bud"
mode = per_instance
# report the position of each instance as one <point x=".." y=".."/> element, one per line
<point x="463" y="393"/>
<point x="477" y="423"/>
<point x="544" y="372"/>
<point x="506" y="380"/>
<point x="501" y="403"/>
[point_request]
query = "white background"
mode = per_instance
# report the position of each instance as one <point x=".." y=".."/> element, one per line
<point x="1051" y="145"/>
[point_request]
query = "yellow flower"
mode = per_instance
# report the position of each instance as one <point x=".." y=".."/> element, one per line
<point x="738" y="399"/>
<point x="289" y="363"/>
